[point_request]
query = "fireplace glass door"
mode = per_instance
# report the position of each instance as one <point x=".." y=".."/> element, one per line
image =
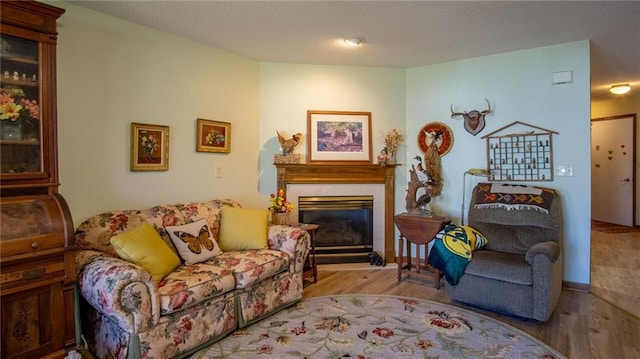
<point x="345" y="234"/>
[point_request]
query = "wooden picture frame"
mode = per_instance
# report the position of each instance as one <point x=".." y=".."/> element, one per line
<point x="149" y="147"/>
<point x="339" y="137"/>
<point x="213" y="136"/>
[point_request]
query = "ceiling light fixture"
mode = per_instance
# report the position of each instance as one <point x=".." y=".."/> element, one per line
<point x="620" y="89"/>
<point x="354" y="41"/>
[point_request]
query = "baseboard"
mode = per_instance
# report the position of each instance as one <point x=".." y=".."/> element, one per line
<point x="582" y="287"/>
<point x="354" y="266"/>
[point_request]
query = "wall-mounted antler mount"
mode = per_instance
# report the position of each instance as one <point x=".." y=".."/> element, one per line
<point x="474" y="120"/>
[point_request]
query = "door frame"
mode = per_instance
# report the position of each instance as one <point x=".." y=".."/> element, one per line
<point x="635" y="169"/>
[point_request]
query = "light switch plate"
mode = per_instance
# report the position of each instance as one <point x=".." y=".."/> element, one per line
<point x="564" y="170"/>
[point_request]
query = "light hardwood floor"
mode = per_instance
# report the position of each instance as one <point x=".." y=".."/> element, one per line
<point x="582" y="326"/>
<point x="615" y="269"/>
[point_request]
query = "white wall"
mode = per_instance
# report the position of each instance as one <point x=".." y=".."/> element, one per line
<point x="288" y="91"/>
<point x="111" y="73"/>
<point x="518" y="86"/>
<point x="623" y="105"/>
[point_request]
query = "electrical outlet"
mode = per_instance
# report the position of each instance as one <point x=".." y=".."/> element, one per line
<point x="218" y="170"/>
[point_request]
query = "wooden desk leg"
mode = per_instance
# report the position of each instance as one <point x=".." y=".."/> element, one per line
<point x="409" y="255"/>
<point x="400" y="256"/>
<point x="418" y="258"/>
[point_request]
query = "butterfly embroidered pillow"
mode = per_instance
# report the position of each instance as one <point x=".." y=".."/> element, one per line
<point x="194" y="241"/>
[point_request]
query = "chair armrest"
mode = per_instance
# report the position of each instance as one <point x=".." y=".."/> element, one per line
<point x="551" y="250"/>
<point x="118" y="289"/>
<point x="295" y="242"/>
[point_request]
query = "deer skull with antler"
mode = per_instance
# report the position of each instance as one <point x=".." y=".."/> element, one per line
<point x="473" y="120"/>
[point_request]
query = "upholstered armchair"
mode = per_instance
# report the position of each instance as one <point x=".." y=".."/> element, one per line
<point x="519" y="271"/>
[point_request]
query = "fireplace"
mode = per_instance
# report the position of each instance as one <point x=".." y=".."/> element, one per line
<point x="317" y="180"/>
<point x="346" y="226"/>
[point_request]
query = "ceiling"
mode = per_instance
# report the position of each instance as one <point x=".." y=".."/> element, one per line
<point x="400" y="33"/>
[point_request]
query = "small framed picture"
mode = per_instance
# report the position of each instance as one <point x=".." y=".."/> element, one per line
<point x="339" y="137"/>
<point x="149" y="147"/>
<point x="213" y="136"/>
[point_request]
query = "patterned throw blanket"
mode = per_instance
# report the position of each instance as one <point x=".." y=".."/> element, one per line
<point x="513" y="197"/>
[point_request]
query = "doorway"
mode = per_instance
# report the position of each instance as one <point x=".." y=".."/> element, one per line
<point x="613" y="169"/>
<point x="614" y="268"/>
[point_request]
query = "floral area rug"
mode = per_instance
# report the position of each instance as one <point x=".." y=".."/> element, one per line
<point x="375" y="326"/>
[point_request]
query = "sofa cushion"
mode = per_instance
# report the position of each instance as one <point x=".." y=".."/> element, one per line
<point x="194" y="241"/>
<point x="96" y="231"/>
<point x="144" y="247"/>
<point x="191" y="284"/>
<point x="210" y="210"/>
<point x="513" y="238"/>
<point x="242" y="228"/>
<point x="253" y="265"/>
<point x="506" y="267"/>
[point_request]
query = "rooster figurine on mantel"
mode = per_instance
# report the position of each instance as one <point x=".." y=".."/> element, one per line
<point x="287" y="145"/>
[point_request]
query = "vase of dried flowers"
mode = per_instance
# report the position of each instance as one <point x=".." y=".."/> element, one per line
<point x="391" y="140"/>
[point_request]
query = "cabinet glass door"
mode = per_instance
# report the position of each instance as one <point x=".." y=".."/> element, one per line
<point x="20" y="115"/>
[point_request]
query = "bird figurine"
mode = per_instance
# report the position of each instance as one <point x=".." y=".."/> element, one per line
<point x="288" y="145"/>
<point x="423" y="176"/>
<point x="423" y="201"/>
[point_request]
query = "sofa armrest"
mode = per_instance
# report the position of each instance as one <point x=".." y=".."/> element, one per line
<point x="295" y="242"/>
<point x="121" y="290"/>
<point x="551" y="250"/>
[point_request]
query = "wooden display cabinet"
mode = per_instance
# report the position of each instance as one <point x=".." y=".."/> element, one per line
<point x="37" y="264"/>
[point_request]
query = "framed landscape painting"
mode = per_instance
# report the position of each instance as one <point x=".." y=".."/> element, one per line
<point x="213" y="136"/>
<point x="149" y="147"/>
<point x="341" y="137"/>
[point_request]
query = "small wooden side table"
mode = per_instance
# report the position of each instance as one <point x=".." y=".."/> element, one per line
<point x="310" y="265"/>
<point x="419" y="230"/>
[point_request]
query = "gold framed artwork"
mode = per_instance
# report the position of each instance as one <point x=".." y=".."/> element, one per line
<point x="149" y="147"/>
<point x="339" y="137"/>
<point x="213" y="136"/>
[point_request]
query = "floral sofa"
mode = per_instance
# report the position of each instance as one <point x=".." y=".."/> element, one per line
<point x="125" y="313"/>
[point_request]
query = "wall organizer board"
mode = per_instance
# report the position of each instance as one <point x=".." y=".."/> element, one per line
<point x="522" y="156"/>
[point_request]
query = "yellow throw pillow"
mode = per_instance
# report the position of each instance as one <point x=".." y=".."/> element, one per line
<point x="144" y="247"/>
<point x="242" y="229"/>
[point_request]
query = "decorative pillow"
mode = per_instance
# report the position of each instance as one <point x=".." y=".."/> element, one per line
<point x="462" y="240"/>
<point x="144" y="247"/>
<point x="451" y="250"/>
<point x="242" y="228"/>
<point x="194" y="241"/>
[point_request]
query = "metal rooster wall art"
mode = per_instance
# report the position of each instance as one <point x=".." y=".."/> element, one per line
<point x="474" y="120"/>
